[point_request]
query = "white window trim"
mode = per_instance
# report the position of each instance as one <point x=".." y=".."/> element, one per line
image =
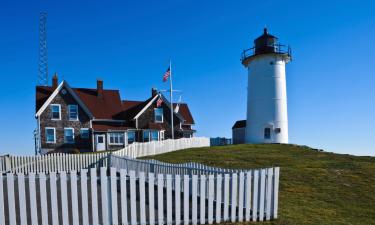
<point x="54" y="135"/>
<point x="52" y="111"/>
<point x="80" y="134"/>
<point x="69" y="128"/>
<point x="162" y="116"/>
<point x="69" y="112"/>
<point x="109" y="138"/>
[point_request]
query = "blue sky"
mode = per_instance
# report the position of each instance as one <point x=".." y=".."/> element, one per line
<point x="331" y="94"/>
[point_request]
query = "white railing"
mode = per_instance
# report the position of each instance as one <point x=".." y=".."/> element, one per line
<point x="76" y="162"/>
<point x="125" y="198"/>
<point x="158" y="167"/>
<point x="139" y="149"/>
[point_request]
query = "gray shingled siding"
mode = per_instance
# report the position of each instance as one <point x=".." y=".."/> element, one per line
<point x="59" y="125"/>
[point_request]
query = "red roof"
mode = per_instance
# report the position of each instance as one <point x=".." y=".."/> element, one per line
<point x="109" y="105"/>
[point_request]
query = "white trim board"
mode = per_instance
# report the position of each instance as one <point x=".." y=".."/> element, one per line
<point x="146" y="107"/>
<point x="54" y="94"/>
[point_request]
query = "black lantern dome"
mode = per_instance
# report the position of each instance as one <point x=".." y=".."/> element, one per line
<point x="265" y="44"/>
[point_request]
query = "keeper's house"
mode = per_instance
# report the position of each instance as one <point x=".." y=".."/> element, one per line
<point x="82" y="119"/>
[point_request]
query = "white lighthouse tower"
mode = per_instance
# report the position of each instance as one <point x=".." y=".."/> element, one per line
<point x="267" y="116"/>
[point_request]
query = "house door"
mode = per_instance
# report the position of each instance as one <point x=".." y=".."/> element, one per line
<point x="100" y="142"/>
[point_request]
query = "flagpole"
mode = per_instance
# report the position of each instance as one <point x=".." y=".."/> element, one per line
<point x="170" y="81"/>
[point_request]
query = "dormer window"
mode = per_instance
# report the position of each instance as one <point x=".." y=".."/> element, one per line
<point x="158" y="115"/>
<point x="73" y="112"/>
<point x="55" y="112"/>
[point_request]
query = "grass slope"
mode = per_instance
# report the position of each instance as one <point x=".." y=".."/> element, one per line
<point x="316" y="187"/>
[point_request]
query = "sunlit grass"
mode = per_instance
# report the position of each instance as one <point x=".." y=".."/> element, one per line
<point x="316" y="187"/>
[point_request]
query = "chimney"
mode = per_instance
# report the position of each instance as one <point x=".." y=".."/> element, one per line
<point x="154" y="92"/>
<point x="54" y="81"/>
<point x="99" y="87"/>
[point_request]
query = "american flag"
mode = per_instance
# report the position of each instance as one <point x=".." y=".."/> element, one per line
<point x="167" y="74"/>
<point x="159" y="102"/>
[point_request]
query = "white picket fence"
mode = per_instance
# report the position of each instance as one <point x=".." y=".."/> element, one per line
<point x="124" y="198"/>
<point x="69" y="162"/>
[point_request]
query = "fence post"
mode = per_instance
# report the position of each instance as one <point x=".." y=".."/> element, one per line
<point x="218" y="198"/>
<point x="124" y="203"/>
<point x="84" y="198"/>
<point x="151" y="202"/>
<point x="202" y="198"/>
<point x="142" y="198"/>
<point x="194" y="199"/>
<point x="94" y="196"/>
<point x="177" y="190"/>
<point x="53" y="190"/>
<point x="211" y="195"/>
<point x="11" y="199"/>
<point x="133" y="202"/>
<point x="74" y="195"/>
<point x="104" y="194"/>
<point x="186" y="199"/>
<point x="234" y="197"/>
<point x="275" y="192"/>
<point x="160" y="199"/>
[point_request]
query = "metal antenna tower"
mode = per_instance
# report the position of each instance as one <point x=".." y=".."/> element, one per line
<point x="43" y="56"/>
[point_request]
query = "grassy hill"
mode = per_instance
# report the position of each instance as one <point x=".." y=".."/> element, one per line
<point x="316" y="187"/>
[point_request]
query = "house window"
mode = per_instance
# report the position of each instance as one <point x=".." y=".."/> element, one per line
<point x="50" y="135"/>
<point x="68" y="135"/>
<point x="158" y="115"/>
<point x="85" y="133"/>
<point x="154" y="135"/>
<point x="146" y="135"/>
<point x="55" y="112"/>
<point x="116" y="138"/>
<point x="267" y="133"/>
<point x="131" y="137"/>
<point x="73" y="112"/>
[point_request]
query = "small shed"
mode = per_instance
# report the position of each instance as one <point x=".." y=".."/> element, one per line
<point x="238" y="132"/>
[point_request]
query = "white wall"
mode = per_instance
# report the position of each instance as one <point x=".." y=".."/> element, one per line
<point x="267" y="99"/>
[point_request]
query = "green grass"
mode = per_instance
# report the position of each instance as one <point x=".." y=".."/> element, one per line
<point x="315" y="187"/>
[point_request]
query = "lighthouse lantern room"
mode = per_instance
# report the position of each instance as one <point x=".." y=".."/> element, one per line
<point x="267" y="116"/>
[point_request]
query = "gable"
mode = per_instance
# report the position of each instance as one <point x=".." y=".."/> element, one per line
<point x="42" y="96"/>
<point x="108" y="106"/>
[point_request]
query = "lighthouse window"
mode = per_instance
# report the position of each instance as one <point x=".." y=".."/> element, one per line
<point x="267" y="133"/>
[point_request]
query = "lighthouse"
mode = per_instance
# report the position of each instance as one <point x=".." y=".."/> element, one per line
<point x="267" y="115"/>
